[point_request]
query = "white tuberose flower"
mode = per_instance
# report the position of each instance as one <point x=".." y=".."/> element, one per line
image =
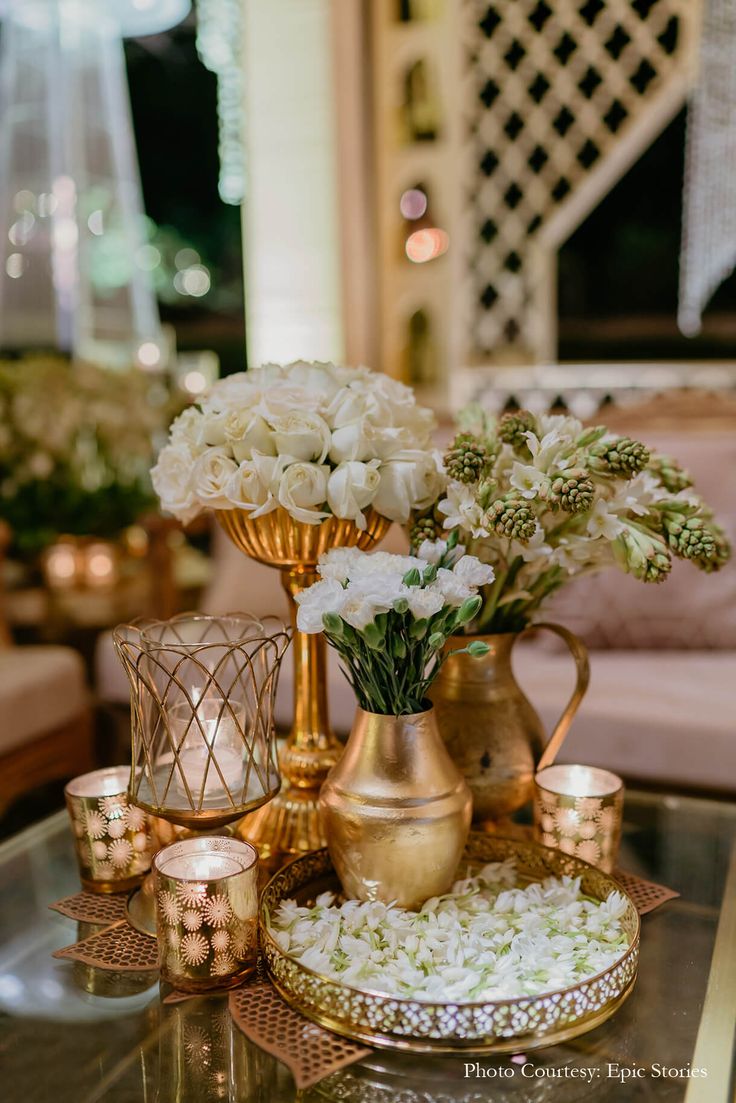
<point x="527" y="480"/>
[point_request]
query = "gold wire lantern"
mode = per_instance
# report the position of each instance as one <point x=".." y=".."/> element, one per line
<point x="202" y="697"/>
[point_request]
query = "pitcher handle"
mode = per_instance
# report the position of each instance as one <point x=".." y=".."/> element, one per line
<point x="579" y="652"/>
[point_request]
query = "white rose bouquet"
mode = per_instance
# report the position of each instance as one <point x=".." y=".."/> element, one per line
<point x="543" y="499"/>
<point x="388" y="617"/>
<point x="314" y="439"/>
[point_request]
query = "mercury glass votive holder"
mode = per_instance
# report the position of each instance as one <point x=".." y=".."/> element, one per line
<point x="111" y="834"/>
<point x="206" y="912"/>
<point x="579" y="810"/>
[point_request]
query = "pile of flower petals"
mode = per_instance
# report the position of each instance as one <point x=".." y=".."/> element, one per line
<point x="490" y="938"/>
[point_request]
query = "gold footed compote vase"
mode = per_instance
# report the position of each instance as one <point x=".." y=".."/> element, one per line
<point x="290" y="824"/>
<point x="202" y="693"/>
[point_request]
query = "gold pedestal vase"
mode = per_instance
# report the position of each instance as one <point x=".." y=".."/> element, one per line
<point x="396" y="810"/>
<point x="490" y="729"/>
<point x="290" y="824"/>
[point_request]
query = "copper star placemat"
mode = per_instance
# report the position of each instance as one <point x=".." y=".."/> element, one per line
<point x="309" y="1051"/>
<point x="118" y="947"/>
<point x="91" y="907"/>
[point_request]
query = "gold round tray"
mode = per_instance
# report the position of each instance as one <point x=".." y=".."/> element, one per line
<point x="498" y="1026"/>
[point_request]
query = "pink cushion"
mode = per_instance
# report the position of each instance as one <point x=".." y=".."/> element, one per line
<point x="691" y="610"/>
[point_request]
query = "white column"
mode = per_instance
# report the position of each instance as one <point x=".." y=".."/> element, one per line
<point x="291" y="238"/>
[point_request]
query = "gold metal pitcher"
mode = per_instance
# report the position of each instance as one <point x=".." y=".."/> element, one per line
<point x="396" y="810"/>
<point x="490" y="729"/>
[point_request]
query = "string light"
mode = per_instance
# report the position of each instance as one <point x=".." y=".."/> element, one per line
<point x="219" y="35"/>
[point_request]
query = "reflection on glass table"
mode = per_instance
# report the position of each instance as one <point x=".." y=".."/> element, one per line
<point x="73" y="1033"/>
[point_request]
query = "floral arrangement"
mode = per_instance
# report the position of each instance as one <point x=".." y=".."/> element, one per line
<point x="76" y="445"/>
<point x="388" y="617"/>
<point x="543" y="500"/>
<point x="314" y="439"/>
<point x="487" y="939"/>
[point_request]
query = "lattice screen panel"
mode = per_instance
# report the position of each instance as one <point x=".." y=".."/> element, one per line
<point x="553" y="91"/>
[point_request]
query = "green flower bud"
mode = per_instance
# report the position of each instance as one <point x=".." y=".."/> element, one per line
<point x="418" y="629"/>
<point x="513" y="426"/>
<point x="436" y="640"/>
<point x="424" y="528"/>
<point x="591" y="436"/>
<point x="477" y="648"/>
<point x="453" y="539"/>
<point x="623" y="457"/>
<point x="691" y="536"/>
<point x="429" y="574"/>
<point x="642" y="553"/>
<point x="466" y="458"/>
<point x="398" y="648"/>
<point x="573" y="491"/>
<point x="373" y="636"/>
<point x="512" y="517"/>
<point x="333" y="624"/>
<point x="412" y="577"/>
<point x="469" y="609"/>
<point x="672" y="477"/>
<point x="401" y="605"/>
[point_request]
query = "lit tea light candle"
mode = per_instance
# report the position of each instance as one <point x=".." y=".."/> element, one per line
<point x="579" y="781"/>
<point x="198" y="767"/>
<point x="206" y="891"/>
<point x="579" y="810"/>
<point x="211" y="757"/>
<point x="206" y="866"/>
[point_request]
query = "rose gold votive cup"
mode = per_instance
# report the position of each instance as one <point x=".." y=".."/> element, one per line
<point x="579" y="810"/>
<point x="206" y="912"/>
<point x="111" y="834"/>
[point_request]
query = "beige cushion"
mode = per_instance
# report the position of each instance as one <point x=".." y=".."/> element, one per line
<point x="668" y="716"/>
<point x="41" y="689"/>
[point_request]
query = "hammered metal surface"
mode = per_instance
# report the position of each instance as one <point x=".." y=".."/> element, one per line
<point x="494" y="1026"/>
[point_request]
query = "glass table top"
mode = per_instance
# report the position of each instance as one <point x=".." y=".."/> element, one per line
<point x="72" y="1033"/>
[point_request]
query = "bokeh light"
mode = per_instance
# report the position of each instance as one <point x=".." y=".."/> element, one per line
<point x="149" y="354"/>
<point x="425" y="245"/>
<point x="413" y="204"/>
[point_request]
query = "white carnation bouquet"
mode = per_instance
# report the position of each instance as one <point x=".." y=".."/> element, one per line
<point x="544" y="499"/>
<point x="490" y="938"/>
<point x="388" y="617"/>
<point x="314" y="439"/>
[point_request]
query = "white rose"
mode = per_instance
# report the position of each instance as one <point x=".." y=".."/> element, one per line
<point x="317" y="378"/>
<point x="285" y="399"/>
<point x="186" y="427"/>
<point x="472" y="572"/>
<point x="173" y="481"/>
<point x="312" y="604"/>
<point x="211" y="474"/>
<point x="407" y="484"/>
<point x="303" y="489"/>
<point x="424" y="603"/>
<point x="246" y="432"/>
<point x="352" y="442"/>
<point x="351" y="487"/>
<point x="245" y="489"/>
<point x="302" y="434"/>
